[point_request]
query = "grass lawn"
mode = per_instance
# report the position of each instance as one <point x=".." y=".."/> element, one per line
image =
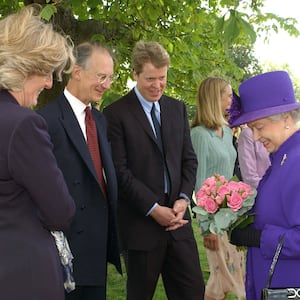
<point x="116" y="284"/>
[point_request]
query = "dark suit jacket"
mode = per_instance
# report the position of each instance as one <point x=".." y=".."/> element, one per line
<point x="93" y="230"/>
<point x="140" y="169"/>
<point x="34" y="199"/>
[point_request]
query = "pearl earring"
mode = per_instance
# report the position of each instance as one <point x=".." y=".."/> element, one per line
<point x="287" y="127"/>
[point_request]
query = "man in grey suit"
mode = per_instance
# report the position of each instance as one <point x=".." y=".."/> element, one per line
<point x="93" y="236"/>
<point x="156" y="169"/>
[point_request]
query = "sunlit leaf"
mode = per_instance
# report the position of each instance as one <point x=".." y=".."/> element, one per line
<point x="48" y="11"/>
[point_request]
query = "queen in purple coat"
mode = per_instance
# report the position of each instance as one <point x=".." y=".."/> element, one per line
<point x="267" y="104"/>
<point x="34" y="198"/>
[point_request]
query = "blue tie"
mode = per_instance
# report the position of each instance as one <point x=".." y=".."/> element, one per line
<point x="160" y="145"/>
<point x="157" y="129"/>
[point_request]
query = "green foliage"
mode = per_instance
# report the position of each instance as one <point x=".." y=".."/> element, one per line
<point x="7" y="7"/>
<point x="48" y="11"/>
<point x="199" y="35"/>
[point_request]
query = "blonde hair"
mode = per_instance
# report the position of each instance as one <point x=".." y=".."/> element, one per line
<point x="152" y="52"/>
<point x="29" y="46"/>
<point x="209" y="108"/>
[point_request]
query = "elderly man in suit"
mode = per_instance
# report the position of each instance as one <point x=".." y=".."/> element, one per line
<point x="156" y="168"/>
<point x="84" y="156"/>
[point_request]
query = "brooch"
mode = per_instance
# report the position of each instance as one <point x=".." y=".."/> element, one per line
<point x="283" y="159"/>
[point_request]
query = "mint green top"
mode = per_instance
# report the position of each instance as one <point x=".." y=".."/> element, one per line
<point x="214" y="154"/>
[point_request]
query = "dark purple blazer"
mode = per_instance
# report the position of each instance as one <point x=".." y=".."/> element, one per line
<point x="139" y="167"/>
<point x="34" y="199"/>
<point x="93" y="234"/>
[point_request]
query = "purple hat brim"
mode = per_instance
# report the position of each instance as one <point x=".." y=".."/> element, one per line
<point x="262" y="113"/>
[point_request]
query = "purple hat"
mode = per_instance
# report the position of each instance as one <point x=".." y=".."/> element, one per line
<point x="262" y="96"/>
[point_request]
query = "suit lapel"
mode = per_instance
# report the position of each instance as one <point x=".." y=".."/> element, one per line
<point x="73" y="130"/>
<point x="137" y="110"/>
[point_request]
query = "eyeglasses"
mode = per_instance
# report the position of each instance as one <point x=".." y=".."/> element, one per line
<point x="103" y="77"/>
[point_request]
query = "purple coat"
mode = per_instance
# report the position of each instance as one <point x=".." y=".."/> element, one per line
<point x="277" y="212"/>
<point x="34" y="199"/>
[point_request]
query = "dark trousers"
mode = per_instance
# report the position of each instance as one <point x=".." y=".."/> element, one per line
<point x="87" y="293"/>
<point x="177" y="262"/>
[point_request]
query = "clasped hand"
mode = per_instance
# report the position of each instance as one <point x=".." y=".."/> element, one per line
<point x="170" y="218"/>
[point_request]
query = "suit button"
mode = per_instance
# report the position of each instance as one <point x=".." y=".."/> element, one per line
<point x="79" y="231"/>
<point x="82" y="207"/>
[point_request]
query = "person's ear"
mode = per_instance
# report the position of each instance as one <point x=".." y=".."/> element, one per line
<point x="77" y="72"/>
<point x="135" y="75"/>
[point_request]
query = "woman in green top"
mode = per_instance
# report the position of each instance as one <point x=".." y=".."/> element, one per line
<point x="213" y="144"/>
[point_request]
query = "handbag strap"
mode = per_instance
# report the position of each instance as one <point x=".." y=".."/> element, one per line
<point x="275" y="258"/>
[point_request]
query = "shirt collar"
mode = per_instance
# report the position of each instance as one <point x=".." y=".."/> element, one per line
<point x="77" y="105"/>
<point x="147" y="105"/>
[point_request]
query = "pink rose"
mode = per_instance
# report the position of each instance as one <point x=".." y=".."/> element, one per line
<point x="219" y="199"/>
<point x="200" y="194"/>
<point x="245" y="195"/>
<point x="233" y="185"/>
<point x="222" y="179"/>
<point x="210" y="180"/>
<point x="246" y="187"/>
<point x="223" y="190"/>
<point x="210" y="183"/>
<point x="208" y="190"/>
<point x="210" y="206"/>
<point x="234" y="201"/>
<point x="201" y="202"/>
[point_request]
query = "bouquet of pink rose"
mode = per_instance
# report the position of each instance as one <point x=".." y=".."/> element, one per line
<point x="223" y="205"/>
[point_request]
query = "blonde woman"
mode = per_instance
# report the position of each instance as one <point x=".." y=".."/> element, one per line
<point x="213" y="144"/>
<point x="34" y="198"/>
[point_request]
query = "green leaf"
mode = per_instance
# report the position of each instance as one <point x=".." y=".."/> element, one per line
<point x="170" y="47"/>
<point x="249" y="202"/>
<point x="231" y="28"/>
<point x="213" y="228"/>
<point x="224" y="217"/>
<point x="248" y="28"/>
<point x="234" y="178"/>
<point x="199" y="210"/>
<point x="48" y="11"/>
<point x="93" y="3"/>
<point x="204" y="226"/>
<point x="220" y="24"/>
